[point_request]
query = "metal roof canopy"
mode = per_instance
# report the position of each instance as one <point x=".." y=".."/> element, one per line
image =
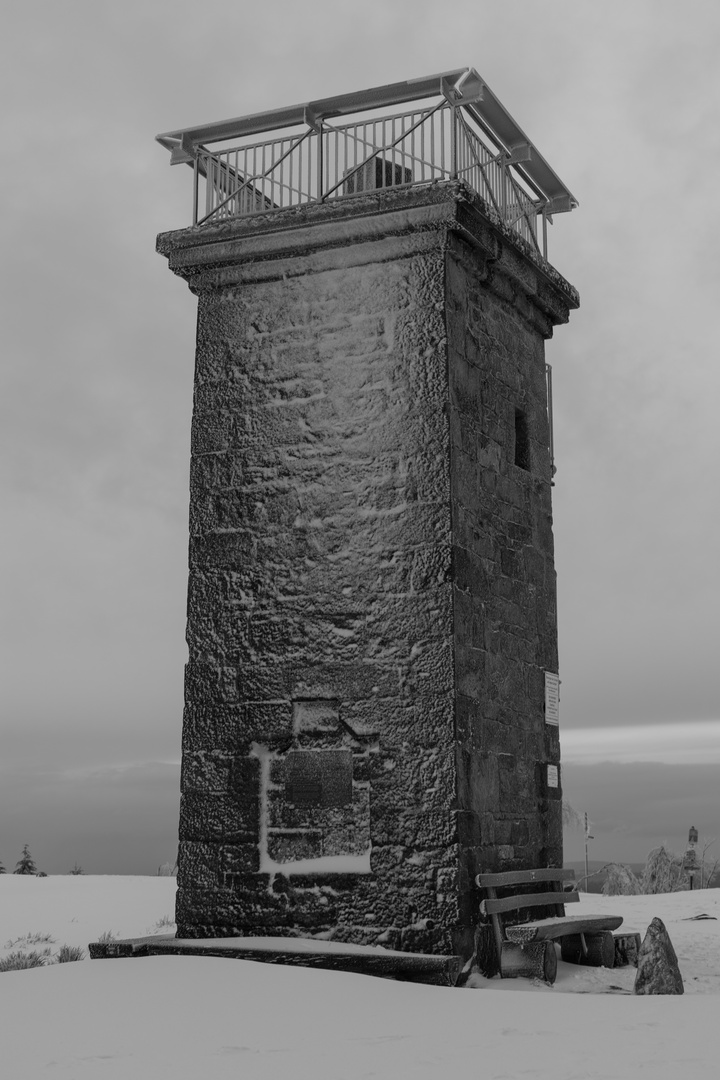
<point x="462" y="87"/>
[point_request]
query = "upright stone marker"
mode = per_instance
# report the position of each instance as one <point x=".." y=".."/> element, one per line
<point x="371" y="612"/>
<point x="658" y="971"/>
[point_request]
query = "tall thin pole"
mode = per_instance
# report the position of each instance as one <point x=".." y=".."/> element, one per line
<point x="586" y="852"/>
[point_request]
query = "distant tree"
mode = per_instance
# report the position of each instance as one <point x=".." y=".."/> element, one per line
<point x="26" y="864"/>
<point x="663" y="872"/>
<point x="2" y="868"/>
<point x="570" y="817"/>
<point x="620" y="881"/>
<point x="76" y="870"/>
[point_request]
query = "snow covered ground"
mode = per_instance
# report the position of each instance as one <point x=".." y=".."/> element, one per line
<point x="188" y="1018"/>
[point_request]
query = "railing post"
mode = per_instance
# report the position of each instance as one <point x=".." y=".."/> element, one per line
<point x="209" y="184"/>
<point x="320" y="162"/>
<point x="196" y="187"/>
<point x="454" y="144"/>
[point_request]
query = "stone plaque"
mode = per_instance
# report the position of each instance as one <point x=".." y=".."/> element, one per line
<point x="305" y="792"/>
<point x="552" y="776"/>
<point x="320" y="778"/>
<point x="552" y="698"/>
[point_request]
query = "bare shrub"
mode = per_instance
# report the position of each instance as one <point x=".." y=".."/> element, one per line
<point x="165" y="923"/>
<point x="18" y="961"/>
<point x="708" y="868"/>
<point x="68" y="953"/>
<point x="31" y="939"/>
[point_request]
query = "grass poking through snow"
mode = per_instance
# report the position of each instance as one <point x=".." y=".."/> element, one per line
<point x="23" y="957"/>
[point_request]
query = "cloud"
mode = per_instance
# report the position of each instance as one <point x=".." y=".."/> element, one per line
<point x="690" y="742"/>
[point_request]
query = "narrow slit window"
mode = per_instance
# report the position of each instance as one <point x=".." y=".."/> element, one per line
<point x="522" y="440"/>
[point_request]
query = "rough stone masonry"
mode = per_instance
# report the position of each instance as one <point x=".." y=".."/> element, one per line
<point x="371" y="609"/>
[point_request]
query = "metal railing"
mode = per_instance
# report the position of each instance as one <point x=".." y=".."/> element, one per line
<point x="327" y="149"/>
<point x="327" y="161"/>
<point x="492" y="177"/>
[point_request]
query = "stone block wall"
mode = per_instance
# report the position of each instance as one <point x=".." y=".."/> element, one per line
<point x="371" y="597"/>
<point x="504" y="596"/>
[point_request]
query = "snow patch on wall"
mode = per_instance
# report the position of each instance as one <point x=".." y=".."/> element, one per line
<point x="323" y="864"/>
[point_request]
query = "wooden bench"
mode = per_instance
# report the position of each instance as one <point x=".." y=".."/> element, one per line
<point x="527" y="947"/>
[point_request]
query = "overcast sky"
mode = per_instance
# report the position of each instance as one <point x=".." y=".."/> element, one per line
<point x="623" y="99"/>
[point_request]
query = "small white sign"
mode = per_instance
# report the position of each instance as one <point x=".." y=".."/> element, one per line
<point x="552" y="698"/>
<point x="552" y="776"/>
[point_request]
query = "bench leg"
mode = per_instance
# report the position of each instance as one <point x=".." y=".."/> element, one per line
<point x="627" y="947"/>
<point x="537" y="960"/>
<point x="599" y="952"/>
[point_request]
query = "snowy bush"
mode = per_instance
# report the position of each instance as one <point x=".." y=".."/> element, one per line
<point x="663" y="873"/>
<point x="620" y="881"/>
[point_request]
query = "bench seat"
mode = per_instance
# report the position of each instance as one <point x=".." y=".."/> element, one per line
<point x="552" y="929"/>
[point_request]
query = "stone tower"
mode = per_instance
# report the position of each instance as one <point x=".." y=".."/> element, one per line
<point x="371" y="692"/>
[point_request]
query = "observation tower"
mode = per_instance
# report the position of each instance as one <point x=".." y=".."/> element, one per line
<point x="371" y="695"/>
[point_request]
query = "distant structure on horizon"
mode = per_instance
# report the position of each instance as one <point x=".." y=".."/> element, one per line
<point x="371" y="692"/>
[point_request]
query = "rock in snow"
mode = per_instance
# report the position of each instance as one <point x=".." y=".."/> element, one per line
<point x="658" y="971"/>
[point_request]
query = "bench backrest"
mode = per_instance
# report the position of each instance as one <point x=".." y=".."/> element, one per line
<point x="523" y="877"/>
<point x="492" y="882"/>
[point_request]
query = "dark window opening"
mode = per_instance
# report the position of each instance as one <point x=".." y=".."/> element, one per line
<point x="522" y="440"/>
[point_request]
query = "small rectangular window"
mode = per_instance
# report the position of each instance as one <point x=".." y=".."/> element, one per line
<point x="522" y="441"/>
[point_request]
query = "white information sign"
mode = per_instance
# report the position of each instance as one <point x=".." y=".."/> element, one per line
<point x="552" y="776"/>
<point x="552" y="698"/>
